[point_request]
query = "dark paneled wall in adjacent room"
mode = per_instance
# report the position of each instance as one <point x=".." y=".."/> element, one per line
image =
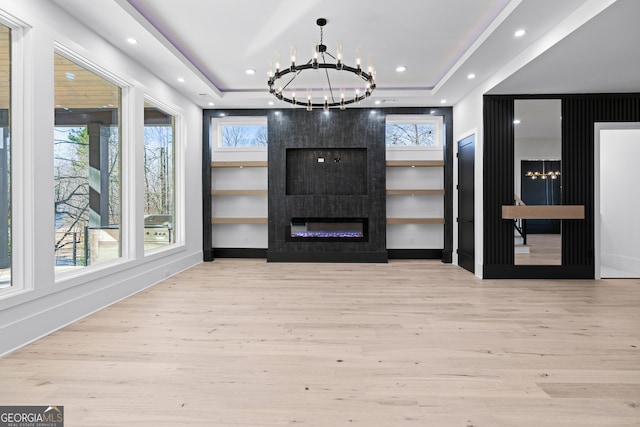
<point x="361" y="134"/>
<point x="579" y="115"/>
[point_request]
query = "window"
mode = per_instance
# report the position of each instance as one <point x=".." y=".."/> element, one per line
<point x="240" y="132"/>
<point x="87" y="202"/>
<point x="5" y="157"/>
<point x="413" y="131"/>
<point x="159" y="178"/>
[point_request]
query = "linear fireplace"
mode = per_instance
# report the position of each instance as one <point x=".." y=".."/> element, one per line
<point x="328" y="229"/>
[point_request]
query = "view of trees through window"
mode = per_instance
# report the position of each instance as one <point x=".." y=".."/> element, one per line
<point x="410" y="133"/>
<point x="5" y="157"/>
<point x="159" y="178"/>
<point x="73" y="191"/>
<point x="87" y="172"/>
<point x="244" y="135"/>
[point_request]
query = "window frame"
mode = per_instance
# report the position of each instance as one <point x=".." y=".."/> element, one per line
<point x="127" y="173"/>
<point x="22" y="182"/>
<point x="178" y="180"/>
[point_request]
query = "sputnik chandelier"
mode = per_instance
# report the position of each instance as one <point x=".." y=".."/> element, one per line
<point x="329" y="96"/>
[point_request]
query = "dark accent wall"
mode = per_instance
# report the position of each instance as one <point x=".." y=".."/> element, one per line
<point x="349" y="129"/>
<point x="320" y="132"/>
<point x="326" y="171"/>
<point x="579" y="115"/>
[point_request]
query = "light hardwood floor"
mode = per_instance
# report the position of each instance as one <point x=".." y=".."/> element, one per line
<point x="409" y="343"/>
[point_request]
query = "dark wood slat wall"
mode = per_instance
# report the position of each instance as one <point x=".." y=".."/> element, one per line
<point x="498" y="179"/>
<point x="579" y="115"/>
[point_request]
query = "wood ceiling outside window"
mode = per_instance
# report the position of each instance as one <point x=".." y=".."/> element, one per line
<point x="84" y="90"/>
<point x="5" y="66"/>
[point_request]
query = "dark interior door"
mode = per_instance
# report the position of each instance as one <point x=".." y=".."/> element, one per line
<point x="466" y="230"/>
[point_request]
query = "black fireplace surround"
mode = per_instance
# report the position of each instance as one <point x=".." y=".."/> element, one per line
<point x="327" y="175"/>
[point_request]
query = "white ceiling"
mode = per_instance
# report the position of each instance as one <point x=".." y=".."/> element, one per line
<point x="570" y="45"/>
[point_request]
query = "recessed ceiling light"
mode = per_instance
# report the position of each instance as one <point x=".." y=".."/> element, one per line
<point x="211" y="104"/>
<point x="401" y="68"/>
<point x="270" y="102"/>
<point x="180" y="79"/>
<point x="250" y="71"/>
<point x="443" y="101"/>
<point x="131" y="40"/>
<point x="516" y="122"/>
<point x="520" y="33"/>
<point x="378" y="102"/>
<point x="471" y="76"/>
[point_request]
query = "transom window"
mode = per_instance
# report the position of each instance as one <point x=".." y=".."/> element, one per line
<point x="413" y="130"/>
<point x="240" y="132"/>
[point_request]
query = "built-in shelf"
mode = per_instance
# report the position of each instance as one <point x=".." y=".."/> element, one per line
<point x="238" y="192"/>
<point x="249" y="178"/>
<point x="423" y="192"/>
<point x="423" y="228"/>
<point x="415" y="163"/>
<point x="415" y="220"/>
<point x="235" y="164"/>
<point x="543" y="212"/>
<point x="238" y="220"/>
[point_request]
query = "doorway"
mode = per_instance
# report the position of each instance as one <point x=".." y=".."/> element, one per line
<point x="617" y="229"/>
<point x="466" y="203"/>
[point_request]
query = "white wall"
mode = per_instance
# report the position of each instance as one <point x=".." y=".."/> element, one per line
<point x="36" y="304"/>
